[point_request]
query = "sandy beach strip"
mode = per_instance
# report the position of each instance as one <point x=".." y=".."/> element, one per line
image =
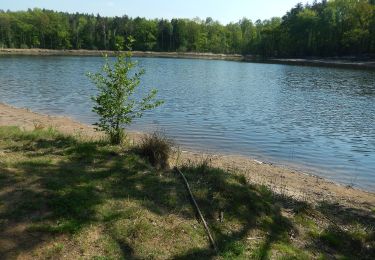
<point x="314" y="62"/>
<point x="98" y="53"/>
<point x="282" y="180"/>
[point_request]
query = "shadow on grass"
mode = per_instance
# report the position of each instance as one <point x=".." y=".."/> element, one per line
<point x="347" y="233"/>
<point x="350" y="234"/>
<point x="245" y="208"/>
<point x="59" y="183"/>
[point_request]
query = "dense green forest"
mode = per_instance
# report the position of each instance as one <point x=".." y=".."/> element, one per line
<point x="324" y="28"/>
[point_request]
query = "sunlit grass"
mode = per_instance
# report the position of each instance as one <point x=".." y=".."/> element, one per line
<point x="65" y="196"/>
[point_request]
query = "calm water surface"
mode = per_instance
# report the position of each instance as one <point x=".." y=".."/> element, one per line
<point x="321" y="120"/>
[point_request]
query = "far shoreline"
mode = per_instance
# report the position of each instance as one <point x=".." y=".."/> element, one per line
<point x="98" y="53"/>
<point x="340" y="62"/>
<point x="282" y="180"/>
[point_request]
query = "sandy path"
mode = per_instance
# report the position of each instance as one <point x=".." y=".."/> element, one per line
<point x="281" y="180"/>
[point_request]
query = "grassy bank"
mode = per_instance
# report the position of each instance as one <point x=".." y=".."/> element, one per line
<point x="65" y="196"/>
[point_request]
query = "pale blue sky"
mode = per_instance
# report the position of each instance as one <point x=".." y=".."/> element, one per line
<point x="223" y="10"/>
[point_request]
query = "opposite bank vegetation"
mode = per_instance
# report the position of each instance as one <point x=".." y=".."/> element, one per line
<point x="322" y="29"/>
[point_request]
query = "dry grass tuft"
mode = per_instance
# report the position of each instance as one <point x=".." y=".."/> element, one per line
<point x="157" y="148"/>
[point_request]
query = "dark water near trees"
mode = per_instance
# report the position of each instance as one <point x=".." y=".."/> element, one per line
<point x="318" y="119"/>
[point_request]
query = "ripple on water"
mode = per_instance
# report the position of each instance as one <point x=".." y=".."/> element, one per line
<point x="319" y="119"/>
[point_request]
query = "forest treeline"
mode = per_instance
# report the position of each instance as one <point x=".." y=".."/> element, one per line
<point x="324" y="28"/>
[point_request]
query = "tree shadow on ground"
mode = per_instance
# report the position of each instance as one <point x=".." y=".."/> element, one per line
<point x="58" y="185"/>
<point x="245" y="207"/>
<point x="346" y="232"/>
<point x="350" y="233"/>
<point x="62" y="181"/>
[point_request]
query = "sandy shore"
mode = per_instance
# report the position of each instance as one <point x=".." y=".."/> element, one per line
<point x="189" y="55"/>
<point x="281" y="180"/>
<point x="327" y="62"/>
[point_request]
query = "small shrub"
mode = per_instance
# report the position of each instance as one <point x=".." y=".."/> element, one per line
<point x="38" y="125"/>
<point x="204" y="165"/>
<point x="115" y="102"/>
<point x="156" y="148"/>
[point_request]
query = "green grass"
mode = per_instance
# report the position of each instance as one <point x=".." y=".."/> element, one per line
<point x="62" y="196"/>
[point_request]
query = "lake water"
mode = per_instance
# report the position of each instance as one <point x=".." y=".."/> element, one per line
<point x="321" y="120"/>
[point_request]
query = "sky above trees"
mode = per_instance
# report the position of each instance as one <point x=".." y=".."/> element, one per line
<point x="224" y="11"/>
